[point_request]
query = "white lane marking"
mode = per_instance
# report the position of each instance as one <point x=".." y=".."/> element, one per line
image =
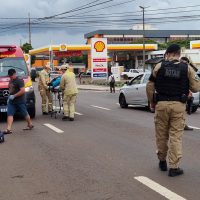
<point x="58" y="108"/>
<point x="57" y="130"/>
<point x="100" y="107"/>
<point x="118" y="104"/>
<point x="159" y="188"/>
<point x="197" y="128"/>
<point x="78" y="113"/>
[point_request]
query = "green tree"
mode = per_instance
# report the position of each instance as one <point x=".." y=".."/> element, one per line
<point x="183" y="43"/>
<point x="162" y="46"/>
<point x="26" y="47"/>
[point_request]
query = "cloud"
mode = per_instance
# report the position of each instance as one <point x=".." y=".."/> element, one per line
<point x="67" y="34"/>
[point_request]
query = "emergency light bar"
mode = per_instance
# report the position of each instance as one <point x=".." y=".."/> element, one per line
<point x="4" y="48"/>
<point x="7" y="46"/>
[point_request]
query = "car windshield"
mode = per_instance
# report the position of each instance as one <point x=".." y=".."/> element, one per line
<point x="135" y="71"/>
<point x="13" y="63"/>
<point x="146" y="78"/>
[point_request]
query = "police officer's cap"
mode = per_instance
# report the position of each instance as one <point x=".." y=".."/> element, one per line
<point x="173" y="48"/>
<point x="64" y="67"/>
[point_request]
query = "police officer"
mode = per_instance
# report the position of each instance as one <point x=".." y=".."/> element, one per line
<point x="44" y="80"/>
<point x="168" y="88"/>
<point x="70" y="91"/>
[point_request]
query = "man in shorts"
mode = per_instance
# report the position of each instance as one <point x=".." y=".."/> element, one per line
<point x="16" y="101"/>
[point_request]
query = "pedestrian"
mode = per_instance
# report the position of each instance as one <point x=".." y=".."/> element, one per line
<point x="169" y="84"/>
<point x="190" y="97"/>
<point x="70" y="91"/>
<point x="44" y="80"/>
<point x="111" y="80"/>
<point x="16" y="101"/>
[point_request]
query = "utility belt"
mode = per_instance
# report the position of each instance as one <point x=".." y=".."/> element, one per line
<point x="158" y="97"/>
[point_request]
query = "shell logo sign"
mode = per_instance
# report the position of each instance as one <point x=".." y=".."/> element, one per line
<point x="63" y="47"/>
<point x="99" y="65"/>
<point x="99" y="46"/>
<point x="26" y="57"/>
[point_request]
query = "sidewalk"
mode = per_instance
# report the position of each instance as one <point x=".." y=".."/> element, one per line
<point x="95" y="87"/>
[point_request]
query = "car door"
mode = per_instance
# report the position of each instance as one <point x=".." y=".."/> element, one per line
<point x="132" y="94"/>
<point x="142" y="97"/>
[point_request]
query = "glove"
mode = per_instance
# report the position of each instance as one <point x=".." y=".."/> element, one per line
<point x="11" y="97"/>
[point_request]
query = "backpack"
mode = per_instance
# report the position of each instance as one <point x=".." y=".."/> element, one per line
<point x="112" y="79"/>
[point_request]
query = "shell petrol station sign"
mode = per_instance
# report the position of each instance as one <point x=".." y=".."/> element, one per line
<point x="99" y="58"/>
<point x="63" y="47"/>
<point x="27" y="58"/>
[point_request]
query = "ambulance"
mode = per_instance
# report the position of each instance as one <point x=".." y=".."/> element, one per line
<point x="12" y="57"/>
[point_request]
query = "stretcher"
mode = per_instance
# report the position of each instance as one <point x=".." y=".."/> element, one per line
<point x="57" y="101"/>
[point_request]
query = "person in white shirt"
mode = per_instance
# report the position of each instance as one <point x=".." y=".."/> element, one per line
<point x="111" y="81"/>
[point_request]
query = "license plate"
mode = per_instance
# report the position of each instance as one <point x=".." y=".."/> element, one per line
<point x="3" y="109"/>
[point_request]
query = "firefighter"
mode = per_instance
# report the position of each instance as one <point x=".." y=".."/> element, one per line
<point x="44" y="80"/>
<point x="70" y="91"/>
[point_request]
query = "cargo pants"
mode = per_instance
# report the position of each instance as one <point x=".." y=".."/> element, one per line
<point x="46" y="94"/>
<point x="69" y="105"/>
<point x="169" y="125"/>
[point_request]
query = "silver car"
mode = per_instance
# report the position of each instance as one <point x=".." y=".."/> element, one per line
<point x="134" y="93"/>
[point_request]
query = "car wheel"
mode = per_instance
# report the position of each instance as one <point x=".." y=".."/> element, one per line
<point x="31" y="112"/>
<point x="122" y="101"/>
<point x="194" y="109"/>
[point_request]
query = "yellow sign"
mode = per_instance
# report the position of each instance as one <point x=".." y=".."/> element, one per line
<point x="7" y="56"/>
<point x="63" y="47"/>
<point x="26" y="57"/>
<point x="99" y="46"/>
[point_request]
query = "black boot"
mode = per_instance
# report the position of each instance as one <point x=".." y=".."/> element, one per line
<point x="187" y="128"/>
<point x="71" y="119"/>
<point x="163" y="165"/>
<point x="45" y="113"/>
<point x="65" y="118"/>
<point x="175" y="172"/>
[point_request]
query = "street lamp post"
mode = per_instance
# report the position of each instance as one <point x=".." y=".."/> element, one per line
<point x="143" y="41"/>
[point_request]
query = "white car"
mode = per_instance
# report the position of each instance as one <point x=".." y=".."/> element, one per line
<point x="134" y="93"/>
<point x="132" y="73"/>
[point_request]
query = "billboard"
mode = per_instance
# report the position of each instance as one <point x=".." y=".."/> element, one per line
<point x="99" y="58"/>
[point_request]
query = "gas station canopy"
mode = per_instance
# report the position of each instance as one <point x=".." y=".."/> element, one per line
<point x="111" y="47"/>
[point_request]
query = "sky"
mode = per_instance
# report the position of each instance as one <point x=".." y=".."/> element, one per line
<point x="50" y="26"/>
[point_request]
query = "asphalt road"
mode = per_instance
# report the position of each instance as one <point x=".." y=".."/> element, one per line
<point x="107" y="153"/>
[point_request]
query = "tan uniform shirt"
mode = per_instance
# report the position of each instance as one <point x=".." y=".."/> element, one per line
<point x="44" y="79"/>
<point x="68" y="83"/>
<point x="194" y="82"/>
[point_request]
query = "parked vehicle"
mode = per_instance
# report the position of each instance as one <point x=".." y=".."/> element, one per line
<point x="132" y="73"/>
<point x="134" y="93"/>
<point x="12" y="56"/>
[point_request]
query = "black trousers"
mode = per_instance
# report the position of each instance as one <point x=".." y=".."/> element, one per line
<point x="112" y="87"/>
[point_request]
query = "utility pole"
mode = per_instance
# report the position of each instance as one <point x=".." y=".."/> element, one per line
<point x="29" y="27"/>
<point x="143" y="41"/>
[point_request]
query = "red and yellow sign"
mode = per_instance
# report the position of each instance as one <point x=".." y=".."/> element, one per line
<point x="99" y="46"/>
<point x="68" y="53"/>
<point x="63" y="47"/>
<point x="7" y="55"/>
<point x="26" y="57"/>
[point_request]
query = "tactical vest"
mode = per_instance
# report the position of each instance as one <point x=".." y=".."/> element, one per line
<point x="172" y="80"/>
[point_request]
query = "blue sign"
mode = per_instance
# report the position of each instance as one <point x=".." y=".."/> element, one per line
<point x="100" y="75"/>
